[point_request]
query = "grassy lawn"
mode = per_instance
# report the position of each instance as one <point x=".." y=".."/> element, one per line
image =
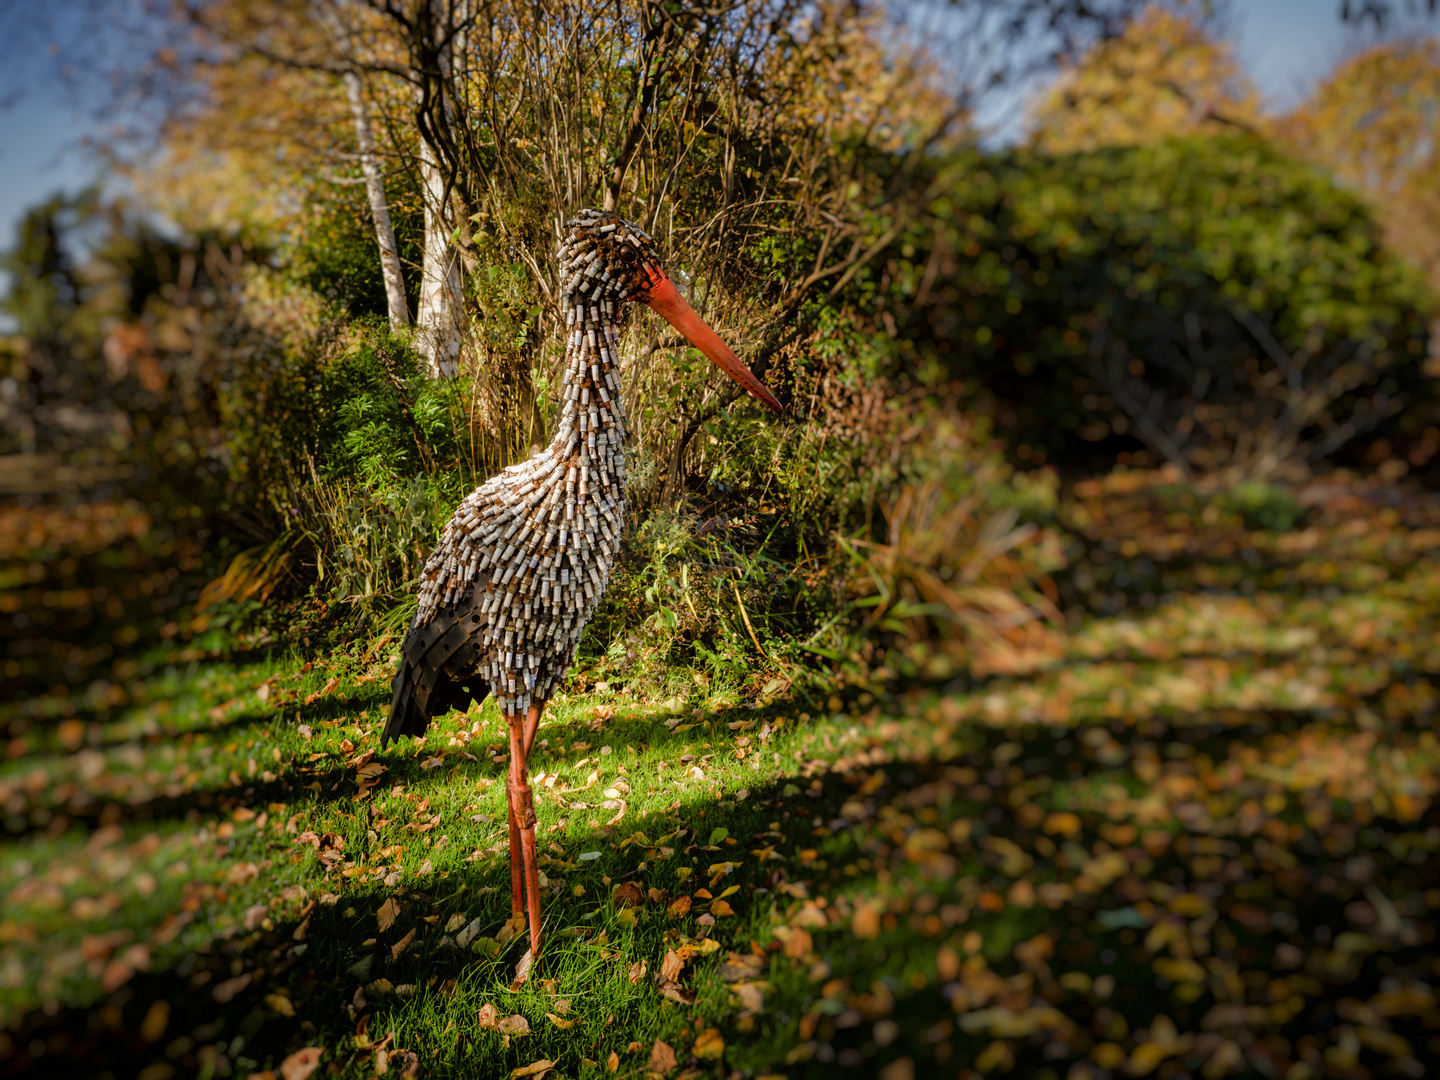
<point x="1201" y="842"/>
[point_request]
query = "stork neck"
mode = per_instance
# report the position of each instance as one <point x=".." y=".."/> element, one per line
<point x="590" y="389"/>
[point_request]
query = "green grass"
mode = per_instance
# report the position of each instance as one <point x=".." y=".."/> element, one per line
<point x="1201" y="842"/>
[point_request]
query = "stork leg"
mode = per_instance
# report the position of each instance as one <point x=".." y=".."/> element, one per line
<point x="524" y="866"/>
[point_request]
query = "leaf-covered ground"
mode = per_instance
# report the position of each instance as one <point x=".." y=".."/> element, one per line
<point x="1203" y="843"/>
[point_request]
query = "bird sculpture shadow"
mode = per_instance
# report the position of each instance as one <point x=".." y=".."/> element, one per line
<point x="525" y="558"/>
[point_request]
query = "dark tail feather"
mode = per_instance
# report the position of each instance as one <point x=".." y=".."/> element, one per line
<point x="436" y="674"/>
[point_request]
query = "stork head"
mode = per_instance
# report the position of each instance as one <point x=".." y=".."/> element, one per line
<point x="606" y="261"/>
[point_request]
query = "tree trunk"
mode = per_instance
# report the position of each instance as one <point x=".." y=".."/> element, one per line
<point x="379" y="209"/>
<point x="441" y="297"/>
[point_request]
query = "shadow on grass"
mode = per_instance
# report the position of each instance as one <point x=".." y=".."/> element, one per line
<point x="1270" y="904"/>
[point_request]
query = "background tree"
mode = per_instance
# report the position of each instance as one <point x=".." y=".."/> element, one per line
<point x="1375" y="123"/>
<point x="1164" y="76"/>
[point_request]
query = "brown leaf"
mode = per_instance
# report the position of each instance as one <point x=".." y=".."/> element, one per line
<point x="708" y="1045"/>
<point x="657" y="896"/>
<point x="637" y="971"/>
<point x="628" y="894"/>
<point x="515" y="1025"/>
<point x="387" y="914"/>
<point x="751" y="997"/>
<point x="398" y="949"/>
<point x="799" y="944"/>
<point x="739" y="966"/>
<point x="675" y="992"/>
<point x="535" y="1068"/>
<point x="327" y="688"/>
<point x="721" y="908"/>
<point x="613" y="1064"/>
<point x="116" y="974"/>
<point x="674" y="964"/>
<point x="560" y="1022"/>
<point x="489" y="1017"/>
<point x="662" y="1057"/>
<point x="368" y="775"/>
<point x="224" y="992"/>
<point x="679" y="907"/>
<point x="299" y="1065"/>
<point x="866" y="923"/>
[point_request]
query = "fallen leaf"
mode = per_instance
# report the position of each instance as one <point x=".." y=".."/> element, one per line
<point x="751" y="996"/>
<point x="675" y="992"/>
<point x="613" y="1064"/>
<point x="799" y="944"/>
<point x="739" y="966"/>
<point x="720" y="909"/>
<point x="673" y="964"/>
<point x="637" y="971"/>
<point x="522" y="969"/>
<point x="299" y="1065"/>
<point x="225" y="992"/>
<point x="535" y="1068"/>
<point x="628" y="894"/>
<point x="679" y="907"/>
<point x="387" y="914"/>
<point x="280" y="1004"/>
<point x="662" y="1057"/>
<point x="489" y="1017"/>
<point x="398" y="949"/>
<point x="514" y="1025"/>
<point x="866" y="923"/>
<point x="560" y="1022"/>
<point x="708" y="1045"/>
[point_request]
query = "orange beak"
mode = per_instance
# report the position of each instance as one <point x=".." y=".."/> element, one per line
<point x="665" y="299"/>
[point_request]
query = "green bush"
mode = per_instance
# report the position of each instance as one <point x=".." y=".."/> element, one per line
<point x="1226" y="305"/>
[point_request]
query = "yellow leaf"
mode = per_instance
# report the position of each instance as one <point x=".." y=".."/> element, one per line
<point x="708" y="1045"/>
<point x="535" y="1068"/>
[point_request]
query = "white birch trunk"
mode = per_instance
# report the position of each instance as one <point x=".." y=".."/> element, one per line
<point x="441" y="308"/>
<point x="379" y="208"/>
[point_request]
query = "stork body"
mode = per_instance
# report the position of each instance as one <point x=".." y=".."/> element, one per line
<point x="525" y="558"/>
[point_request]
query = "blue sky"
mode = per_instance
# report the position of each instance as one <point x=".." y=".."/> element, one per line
<point x="1285" y="44"/>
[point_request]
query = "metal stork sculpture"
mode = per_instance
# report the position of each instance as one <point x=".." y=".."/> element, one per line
<point x="523" y="561"/>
